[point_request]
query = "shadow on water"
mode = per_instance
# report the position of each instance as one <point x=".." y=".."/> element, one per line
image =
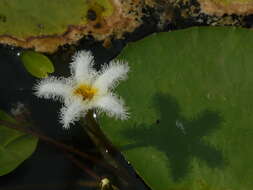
<point x="181" y="139"/>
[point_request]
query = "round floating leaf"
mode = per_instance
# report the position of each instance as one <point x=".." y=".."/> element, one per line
<point x="15" y="147"/>
<point x="190" y="98"/>
<point x="37" y="64"/>
<point x="45" y="24"/>
<point x="28" y="18"/>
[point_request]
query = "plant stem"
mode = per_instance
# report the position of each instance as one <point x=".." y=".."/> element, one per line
<point x="106" y="148"/>
<point x="62" y="146"/>
<point x="82" y="167"/>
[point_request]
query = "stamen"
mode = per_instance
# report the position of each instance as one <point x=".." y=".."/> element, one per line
<point x="86" y="91"/>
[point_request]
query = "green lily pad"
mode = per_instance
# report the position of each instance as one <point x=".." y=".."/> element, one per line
<point x="15" y="147"/>
<point x="45" y="25"/>
<point x="29" y="18"/>
<point x="190" y="98"/>
<point x="37" y="64"/>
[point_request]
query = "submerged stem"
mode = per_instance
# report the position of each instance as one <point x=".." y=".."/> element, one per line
<point x="62" y="146"/>
<point x="82" y="167"/>
<point x="106" y="148"/>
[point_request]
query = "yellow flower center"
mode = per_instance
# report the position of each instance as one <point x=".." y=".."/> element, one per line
<point x="86" y="91"/>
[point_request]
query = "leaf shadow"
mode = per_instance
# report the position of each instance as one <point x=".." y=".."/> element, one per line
<point x="181" y="139"/>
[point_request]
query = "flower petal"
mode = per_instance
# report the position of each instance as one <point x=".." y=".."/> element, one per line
<point x="72" y="113"/>
<point x="112" y="105"/>
<point x="52" y="87"/>
<point x="111" y="75"/>
<point x="81" y="67"/>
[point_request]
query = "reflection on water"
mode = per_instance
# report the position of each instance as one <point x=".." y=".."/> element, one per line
<point x="181" y="139"/>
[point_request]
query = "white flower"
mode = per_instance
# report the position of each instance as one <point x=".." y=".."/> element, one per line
<point x="86" y="89"/>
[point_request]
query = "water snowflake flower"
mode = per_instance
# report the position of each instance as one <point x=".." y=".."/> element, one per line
<point x="86" y="89"/>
